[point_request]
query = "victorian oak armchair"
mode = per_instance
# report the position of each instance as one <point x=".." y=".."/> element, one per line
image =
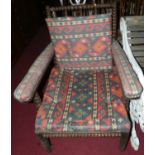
<point x="91" y="82"/>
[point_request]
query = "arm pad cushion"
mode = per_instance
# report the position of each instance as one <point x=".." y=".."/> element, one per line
<point x="130" y="82"/>
<point x="27" y="87"/>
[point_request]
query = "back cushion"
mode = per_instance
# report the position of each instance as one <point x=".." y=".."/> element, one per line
<point x="82" y="42"/>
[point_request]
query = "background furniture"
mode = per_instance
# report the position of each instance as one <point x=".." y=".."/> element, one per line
<point x="135" y="28"/>
<point x="132" y="31"/>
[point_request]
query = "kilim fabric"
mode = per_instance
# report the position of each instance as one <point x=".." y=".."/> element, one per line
<point x="130" y="82"/>
<point x="82" y="43"/>
<point x="83" y="102"/>
<point x="27" y="87"/>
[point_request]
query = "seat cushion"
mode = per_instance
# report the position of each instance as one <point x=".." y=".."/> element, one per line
<point x="82" y="102"/>
<point x="82" y="42"/>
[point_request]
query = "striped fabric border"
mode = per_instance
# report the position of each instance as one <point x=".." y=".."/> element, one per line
<point x="65" y="114"/>
<point x="55" y="101"/>
<point x="85" y="59"/>
<point x="90" y="68"/>
<point x="69" y="21"/>
<point x="87" y="35"/>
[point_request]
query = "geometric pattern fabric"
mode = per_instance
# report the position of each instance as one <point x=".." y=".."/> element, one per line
<point x="82" y="102"/>
<point x="82" y="43"/>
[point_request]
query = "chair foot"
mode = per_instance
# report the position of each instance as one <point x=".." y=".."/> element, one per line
<point x="124" y="139"/>
<point x="45" y="142"/>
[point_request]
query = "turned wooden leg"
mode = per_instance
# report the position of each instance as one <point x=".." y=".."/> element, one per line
<point x="124" y="139"/>
<point x="45" y="142"/>
<point x="37" y="100"/>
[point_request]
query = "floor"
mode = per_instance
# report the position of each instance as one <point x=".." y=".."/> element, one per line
<point x="24" y="141"/>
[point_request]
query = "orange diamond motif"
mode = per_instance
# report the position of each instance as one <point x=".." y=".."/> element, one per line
<point x="60" y="49"/>
<point x="79" y="49"/>
<point x="99" y="47"/>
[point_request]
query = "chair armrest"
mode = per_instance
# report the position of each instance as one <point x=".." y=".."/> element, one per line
<point x="130" y="82"/>
<point x="27" y="87"/>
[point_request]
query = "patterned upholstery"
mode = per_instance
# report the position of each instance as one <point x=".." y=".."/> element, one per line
<point x="130" y="82"/>
<point x="82" y="42"/>
<point x="27" y="87"/>
<point x="82" y="102"/>
<point x="84" y="93"/>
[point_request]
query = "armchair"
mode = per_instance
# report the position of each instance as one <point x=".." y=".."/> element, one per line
<point x="87" y="91"/>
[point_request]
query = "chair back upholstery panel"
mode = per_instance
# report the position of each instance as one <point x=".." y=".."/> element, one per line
<point x="82" y="43"/>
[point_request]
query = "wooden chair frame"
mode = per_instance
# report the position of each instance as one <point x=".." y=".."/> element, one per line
<point x="67" y="10"/>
